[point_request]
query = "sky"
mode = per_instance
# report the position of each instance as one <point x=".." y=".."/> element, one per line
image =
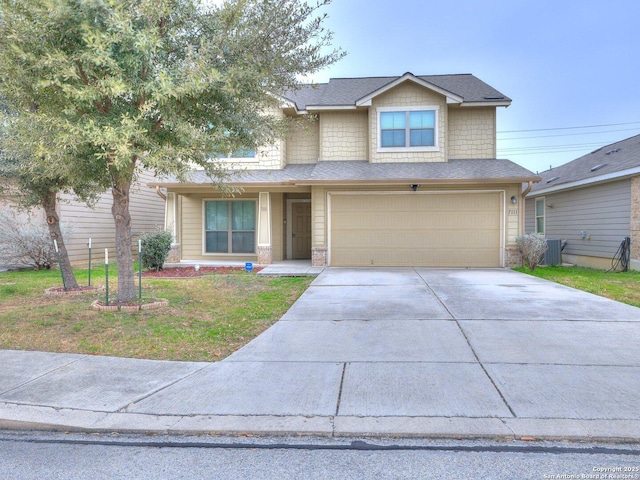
<point x="564" y="63"/>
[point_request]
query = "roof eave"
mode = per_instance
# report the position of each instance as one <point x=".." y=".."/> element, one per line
<point x="451" y="97"/>
<point x="421" y="181"/>
<point x="504" y="103"/>
<point x="351" y="181"/>
<point x="330" y="107"/>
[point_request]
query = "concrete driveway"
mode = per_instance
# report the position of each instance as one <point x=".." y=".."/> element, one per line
<point x="407" y="343"/>
<point x="403" y="351"/>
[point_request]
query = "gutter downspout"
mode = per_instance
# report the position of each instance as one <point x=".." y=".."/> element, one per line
<point x="164" y="197"/>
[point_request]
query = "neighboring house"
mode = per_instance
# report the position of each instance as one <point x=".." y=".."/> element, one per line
<point x="80" y="222"/>
<point x="390" y="171"/>
<point x="593" y="203"/>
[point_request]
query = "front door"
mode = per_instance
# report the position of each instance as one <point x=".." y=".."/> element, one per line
<point x="301" y="230"/>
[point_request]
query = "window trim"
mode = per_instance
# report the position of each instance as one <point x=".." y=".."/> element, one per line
<point x="204" y="227"/>
<point x="543" y="216"/>
<point x="229" y="158"/>
<point x="434" y="148"/>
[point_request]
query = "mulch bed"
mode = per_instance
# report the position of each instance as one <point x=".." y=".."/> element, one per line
<point x="188" y="272"/>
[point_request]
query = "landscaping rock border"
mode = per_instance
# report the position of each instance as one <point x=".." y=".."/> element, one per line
<point x="114" y="307"/>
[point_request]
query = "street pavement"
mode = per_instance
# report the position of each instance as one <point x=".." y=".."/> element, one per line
<point x="408" y="352"/>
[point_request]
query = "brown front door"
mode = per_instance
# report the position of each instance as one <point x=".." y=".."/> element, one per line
<point x="301" y="230"/>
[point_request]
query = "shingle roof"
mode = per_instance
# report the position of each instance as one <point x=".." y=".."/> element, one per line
<point x="347" y="91"/>
<point x="604" y="162"/>
<point x="503" y="171"/>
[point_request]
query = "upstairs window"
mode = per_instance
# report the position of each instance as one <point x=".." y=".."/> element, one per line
<point x="240" y="153"/>
<point x="411" y="129"/>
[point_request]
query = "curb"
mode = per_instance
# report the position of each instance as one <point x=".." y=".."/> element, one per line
<point x="28" y="417"/>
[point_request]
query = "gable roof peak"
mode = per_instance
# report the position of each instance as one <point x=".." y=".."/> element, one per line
<point x="352" y="92"/>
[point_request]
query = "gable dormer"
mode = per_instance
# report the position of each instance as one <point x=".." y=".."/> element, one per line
<point x="398" y="119"/>
<point x="408" y="122"/>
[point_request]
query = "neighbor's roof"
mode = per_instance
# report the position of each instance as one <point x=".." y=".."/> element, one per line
<point x="351" y="92"/>
<point x="617" y="160"/>
<point x="344" y="172"/>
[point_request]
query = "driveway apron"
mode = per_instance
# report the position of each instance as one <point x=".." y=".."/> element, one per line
<point x="418" y="342"/>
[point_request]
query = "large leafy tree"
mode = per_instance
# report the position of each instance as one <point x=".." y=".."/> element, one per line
<point x="26" y="184"/>
<point x="28" y="181"/>
<point x="155" y="84"/>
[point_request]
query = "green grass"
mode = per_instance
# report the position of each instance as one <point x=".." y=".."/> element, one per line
<point x="208" y="317"/>
<point x="621" y="286"/>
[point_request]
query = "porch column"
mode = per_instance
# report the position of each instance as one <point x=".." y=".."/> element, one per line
<point x="264" y="228"/>
<point x="172" y="224"/>
<point x="319" y="219"/>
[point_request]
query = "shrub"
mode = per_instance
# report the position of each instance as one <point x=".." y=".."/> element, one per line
<point x="25" y="242"/>
<point x="532" y="246"/>
<point x="155" y="248"/>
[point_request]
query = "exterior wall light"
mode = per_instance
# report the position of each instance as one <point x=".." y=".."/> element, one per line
<point x="514" y="199"/>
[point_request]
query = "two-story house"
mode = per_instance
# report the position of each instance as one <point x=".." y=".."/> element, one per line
<point x="390" y="171"/>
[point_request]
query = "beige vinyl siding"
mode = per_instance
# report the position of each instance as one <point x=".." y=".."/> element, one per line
<point x="343" y="135"/>
<point x="147" y="211"/>
<point x="408" y="94"/>
<point x="514" y="213"/>
<point x="601" y="211"/>
<point x="472" y="132"/>
<point x="435" y="229"/>
<point x="318" y="216"/>
<point x="303" y="143"/>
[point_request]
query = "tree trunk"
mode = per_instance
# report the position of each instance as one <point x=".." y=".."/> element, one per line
<point x="122" y="218"/>
<point x="53" y="221"/>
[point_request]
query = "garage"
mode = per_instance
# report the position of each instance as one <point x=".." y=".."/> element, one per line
<point x="432" y="229"/>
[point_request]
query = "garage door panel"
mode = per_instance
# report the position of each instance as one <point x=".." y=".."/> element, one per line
<point x="431" y="220"/>
<point x="451" y="257"/>
<point x="448" y="230"/>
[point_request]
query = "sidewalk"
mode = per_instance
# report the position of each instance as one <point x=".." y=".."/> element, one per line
<point x="370" y="352"/>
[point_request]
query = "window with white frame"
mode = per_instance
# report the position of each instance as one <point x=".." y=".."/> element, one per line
<point x="230" y="226"/>
<point x="412" y="129"/>
<point x="539" y="215"/>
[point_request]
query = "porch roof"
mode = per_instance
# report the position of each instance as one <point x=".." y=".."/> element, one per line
<point x="346" y="172"/>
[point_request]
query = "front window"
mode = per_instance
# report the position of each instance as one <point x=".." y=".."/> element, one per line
<point x="540" y="215"/>
<point x="239" y="153"/>
<point x="410" y="129"/>
<point x="230" y="226"/>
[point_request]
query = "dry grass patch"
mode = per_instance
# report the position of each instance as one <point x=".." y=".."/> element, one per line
<point x="208" y="317"/>
<point x="620" y="286"/>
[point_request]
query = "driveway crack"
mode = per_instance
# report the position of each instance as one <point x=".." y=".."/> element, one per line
<point x="475" y="355"/>
<point x="344" y="368"/>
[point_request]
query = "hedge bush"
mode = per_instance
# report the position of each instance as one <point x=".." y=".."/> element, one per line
<point x="155" y="248"/>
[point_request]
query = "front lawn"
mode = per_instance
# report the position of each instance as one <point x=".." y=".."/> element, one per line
<point x="208" y="317"/>
<point x="621" y="286"/>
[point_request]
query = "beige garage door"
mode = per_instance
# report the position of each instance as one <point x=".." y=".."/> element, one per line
<point x="416" y="229"/>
